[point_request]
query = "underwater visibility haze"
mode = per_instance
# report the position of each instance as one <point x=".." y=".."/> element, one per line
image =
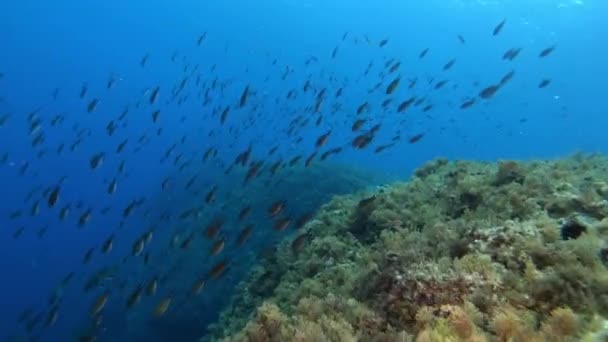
<point x="304" y="170"/>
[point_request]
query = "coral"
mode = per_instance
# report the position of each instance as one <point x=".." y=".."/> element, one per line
<point x="463" y="251"/>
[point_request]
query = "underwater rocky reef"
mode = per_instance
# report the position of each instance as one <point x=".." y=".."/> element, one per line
<point x="463" y="251"/>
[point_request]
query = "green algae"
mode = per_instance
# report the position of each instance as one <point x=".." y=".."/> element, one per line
<point x="463" y="251"/>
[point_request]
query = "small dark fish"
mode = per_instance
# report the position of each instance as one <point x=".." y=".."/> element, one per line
<point x="84" y="218"/>
<point x="363" y="108"/>
<point x="134" y="297"/>
<point x="489" y="91"/>
<point x="83" y="90"/>
<point x="213" y="228"/>
<point x="92" y="105"/>
<point x="161" y="308"/>
<point x="383" y="147"/>
<point x="499" y="27"/>
<point x="467" y="104"/>
<point x="217" y="248"/>
<point x="449" y="64"/>
<point x="144" y="60"/>
<point x="99" y="303"/>
<point x="440" y="84"/>
<point x="154" y="95"/>
<point x="310" y="159"/>
<point x="423" y="53"/>
<point x="276" y="208"/>
<point x="151" y="287"/>
<point x="210" y="197"/>
<point x="544" y="83"/>
<point x="106" y="247"/>
<point x="334" y="52"/>
<point x="218" y="269"/>
<point x="244" y="212"/>
<point x="53" y="197"/>
<point x="198" y="286"/>
<point x="121" y="146"/>
<point x="357" y="125"/>
<point x="405" y="104"/>
<point x="63" y="213"/>
<point x="155" y="115"/>
<point x="96" y="160"/>
<point x="88" y="255"/>
<point x="393" y="86"/>
<point x="414" y="139"/>
<point x="506" y="78"/>
<point x="383" y="42"/>
<point x="282" y="224"/>
<point x="321" y="140"/>
<point x="244" y="235"/>
<point x="244" y="96"/>
<point x="461" y="39"/>
<point x="138" y="247"/>
<point x="224" y="115"/>
<point x="546" y="52"/>
<point x="112" y="186"/>
<point x="201" y="38"/>
<point x="362" y="140"/>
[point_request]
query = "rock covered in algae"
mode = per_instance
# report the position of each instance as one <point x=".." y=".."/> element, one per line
<point x="463" y="251"/>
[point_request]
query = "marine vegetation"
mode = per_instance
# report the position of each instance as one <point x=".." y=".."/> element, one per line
<point x="463" y="251"/>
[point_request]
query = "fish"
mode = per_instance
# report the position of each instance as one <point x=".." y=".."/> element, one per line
<point x="218" y="269"/>
<point x="383" y="42"/>
<point x="506" y="78"/>
<point x="84" y="218"/>
<point x="449" y="64"/>
<point x="467" y="104"/>
<point x="138" y="247"/>
<point x="499" y="27"/>
<point x="544" y="83"/>
<point x="282" y="224"/>
<point x="155" y="115"/>
<point x="201" y="38"/>
<point x="88" y="255"/>
<point x="151" y="287"/>
<point x="244" y="96"/>
<point x="161" y="308"/>
<point x="415" y="138"/>
<point x="393" y="86"/>
<point x="143" y="60"/>
<point x="198" y="286"/>
<point x="244" y="213"/>
<point x="154" y="95"/>
<point x="99" y="303"/>
<point x="321" y="140"/>
<point x="83" y="90"/>
<point x="440" y="84"/>
<point x="217" y="248"/>
<point x="213" y="228"/>
<point x="363" y="108"/>
<point x="64" y="212"/>
<point x="299" y="242"/>
<point x="244" y="235"/>
<point x="106" y="247"/>
<point x="358" y="124"/>
<point x="134" y="297"/>
<point x="112" y="186"/>
<point x="546" y="52"/>
<point x="489" y="91"/>
<point x="92" y="105"/>
<point x="423" y="53"/>
<point x="53" y="197"/>
<point x="96" y="160"/>
<point x="276" y="208"/>
<point x="461" y="39"/>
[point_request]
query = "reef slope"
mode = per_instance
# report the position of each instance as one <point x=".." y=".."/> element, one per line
<point x="463" y="251"/>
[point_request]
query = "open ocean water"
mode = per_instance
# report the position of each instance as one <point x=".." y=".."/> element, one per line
<point x="153" y="154"/>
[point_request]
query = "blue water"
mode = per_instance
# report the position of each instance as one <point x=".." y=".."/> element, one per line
<point x="50" y="49"/>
